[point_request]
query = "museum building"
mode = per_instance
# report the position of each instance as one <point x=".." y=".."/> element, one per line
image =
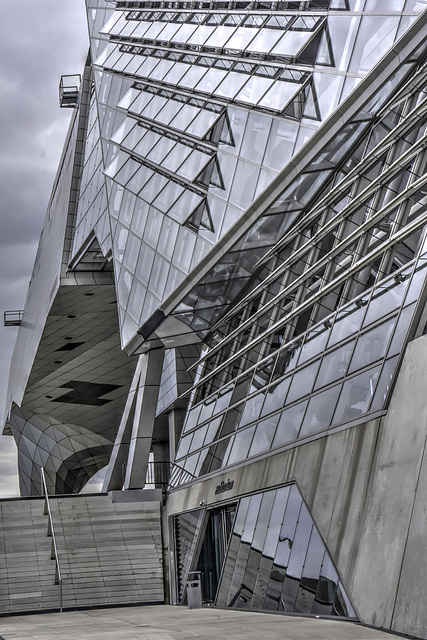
<point x="228" y="300"/>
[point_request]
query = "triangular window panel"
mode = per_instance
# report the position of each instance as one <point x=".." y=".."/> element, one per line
<point x="309" y="54"/>
<point x="200" y="218"/>
<point x="221" y="132"/>
<point x="277" y="560"/>
<point x="211" y="175"/>
<point x="311" y="105"/>
<point x="325" y="55"/>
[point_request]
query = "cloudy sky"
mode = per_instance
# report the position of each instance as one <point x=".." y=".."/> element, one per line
<point x="39" y="41"/>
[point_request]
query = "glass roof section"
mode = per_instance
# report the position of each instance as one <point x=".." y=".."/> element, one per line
<point x="201" y="108"/>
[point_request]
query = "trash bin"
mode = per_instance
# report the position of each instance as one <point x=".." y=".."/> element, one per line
<point x="194" y="590"/>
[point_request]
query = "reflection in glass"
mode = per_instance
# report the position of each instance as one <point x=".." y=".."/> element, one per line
<point x="334" y="365"/>
<point x="320" y="411"/>
<point x="289" y="424"/>
<point x="241" y="445"/>
<point x="356" y="396"/>
<point x="384" y="384"/>
<point x="277" y="560"/>
<point x="263" y="436"/>
<point x="371" y="345"/>
<point x="302" y="382"/>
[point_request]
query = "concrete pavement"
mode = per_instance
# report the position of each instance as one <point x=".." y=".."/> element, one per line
<point x="178" y="623"/>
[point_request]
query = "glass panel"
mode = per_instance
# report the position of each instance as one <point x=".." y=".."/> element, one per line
<point x="161" y="69"/>
<point x="160" y="150"/>
<point x="198" y="437"/>
<point x="184" y="117"/>
<point x="219" y="37"/>
<point x="152" y="188"/>
<point x="378" y="36"/>
<point x="251" y="410"/>
<point x="244" y="184"/>
<point x="201" y="34"/>
<point x="275" y="396"/>
<point x="176" y="157"/>
<point x="384" y="384"/>
<point x="241" y="38"/>
<point x="184" y="32"/>
<point x="192" y="77"/>
<point x="320" y="411"/>
<point x="291" y="43"/>
<point x="167" y="196"/>
<point x="278" y="96"/>
<point x="334" y="365"/>
<point x="401" y="330"/>
<point x="231" y="84"/>
<point x="280" y="144"/>
<point x="254" y="145"/>
<point x="302" y="382"/>
<point x="314" y="344"/>
<point x="153" y="108"/>
<point x="371" y="345"/>
<point x="193" y="165"/>
<point x="356" y="396"/>
<point x="202" y="123"/>
<point x="254" y="89"/>
<point x="251" y="518"/>
<point x="211" y="80"/>
<point x="212" y="432"/>
<point x="347" y="322"/>
<point x="141" y="102"/>
<point x="384" y="301"/>
<point x="191" y="419"/>
<point x="128" y="98"/>
<point x="289" y="424"/>
<point x="275" y="524"/>
<point x="264" y="41"/>
<point x="176" y="73"/>
<point x="300" y="543"/>
<point x="415" y="286"/>
<point x="263" y="436"/>
<point x="241" y="445"/>
<point x="184" y="446"/>
<point x="182" y="210"/>
<point x="146" y="68"/>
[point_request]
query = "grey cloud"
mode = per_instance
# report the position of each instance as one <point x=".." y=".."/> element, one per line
<point x="39" y="41"/>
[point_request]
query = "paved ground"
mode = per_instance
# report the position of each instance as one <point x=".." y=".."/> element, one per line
<point x="178" y="623"/>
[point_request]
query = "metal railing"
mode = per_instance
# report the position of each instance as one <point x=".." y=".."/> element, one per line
<point x="51" y="533"/>
<point x="12" y="318"/>
<point x="163" y="474"/>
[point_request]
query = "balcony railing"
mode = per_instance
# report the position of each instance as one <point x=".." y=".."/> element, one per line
<point x="69" y="91"/>
<point x="13" y="318"/>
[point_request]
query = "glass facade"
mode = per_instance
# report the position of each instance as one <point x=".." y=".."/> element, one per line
<point x="199" y="109"/>
<point x="264" y="553"/>
<point x="316" y="335"/>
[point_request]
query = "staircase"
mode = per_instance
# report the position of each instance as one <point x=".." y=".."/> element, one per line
<point x="27" y="572"/>
<point x="110" y="552"/>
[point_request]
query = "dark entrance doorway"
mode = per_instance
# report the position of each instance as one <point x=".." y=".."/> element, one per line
<point x="214" y="546"/>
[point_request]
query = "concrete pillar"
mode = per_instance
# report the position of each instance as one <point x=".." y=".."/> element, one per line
<point x="133" y="441"/>
<point x="143" y="422"/>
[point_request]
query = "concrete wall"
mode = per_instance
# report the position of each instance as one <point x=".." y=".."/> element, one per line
<point x="364" y="487"/>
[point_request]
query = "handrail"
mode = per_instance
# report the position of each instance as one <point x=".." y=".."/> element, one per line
<point x="51" y="533"/>
<point x="163" y="473"/>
